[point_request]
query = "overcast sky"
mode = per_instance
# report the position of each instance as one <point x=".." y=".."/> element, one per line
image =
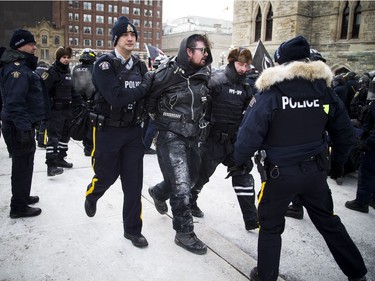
<point x="222" y="9"/>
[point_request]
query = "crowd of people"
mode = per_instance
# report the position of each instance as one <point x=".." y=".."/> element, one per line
<point x="199" y="120"/>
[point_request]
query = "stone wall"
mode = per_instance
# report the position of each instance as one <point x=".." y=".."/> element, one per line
<point x="319" y="22"/>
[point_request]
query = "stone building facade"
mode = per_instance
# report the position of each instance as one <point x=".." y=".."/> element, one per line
<point x="342" y="31"/>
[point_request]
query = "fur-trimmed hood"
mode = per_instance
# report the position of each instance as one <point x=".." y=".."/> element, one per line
<point x="311" y="71"/>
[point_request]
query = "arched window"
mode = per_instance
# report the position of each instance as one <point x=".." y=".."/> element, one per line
<point x="258" y="25"/>
<point x="269" y="24"/>
<point x="345" y="22"/>
<point x="356" y="20"/>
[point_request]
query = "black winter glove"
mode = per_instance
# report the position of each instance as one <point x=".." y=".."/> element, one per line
<point x="337" y="170"/>
<point x="26" y="139"/>
<point x="240" y="170"/>
<point x="147" y="81"/>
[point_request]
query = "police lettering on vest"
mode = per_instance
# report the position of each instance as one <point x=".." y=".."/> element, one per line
<point x="288" y="103"/>
<point x="132" y="84"/>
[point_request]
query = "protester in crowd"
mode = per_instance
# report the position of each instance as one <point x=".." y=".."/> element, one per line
<point x="82" y="82"/>
<point x="116" y="119"/>
<point x="297" y="159"/>
<point x="25" y="103"/>
<point x="177" y="103"/>
<point x="230" y="96"/>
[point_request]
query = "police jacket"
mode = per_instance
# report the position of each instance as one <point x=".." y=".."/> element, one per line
<point x="368" y="136"/>
<point x="59" y="82"/>
<point x="82" y="80"/>
<point x="230" y="96"/>
<point x="118" y="95"/>
<point x="178" y="95"/>
<point x="25" y="101"/>
<point x="290" y="115"/>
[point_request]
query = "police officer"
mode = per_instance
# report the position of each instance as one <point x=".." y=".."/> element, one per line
<point x="63" y="98"/>
<point x="288" y="120"/>
<point x="82" y="82"/>
<point x="366" y="174"/>
<point x="118" y="113"/>
<point x="177" y="102"/>
<point x="230" y="97"/>
<point x="24" y="104"/>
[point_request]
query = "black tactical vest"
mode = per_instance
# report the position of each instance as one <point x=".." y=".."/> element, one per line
<point x="297" y="122"/>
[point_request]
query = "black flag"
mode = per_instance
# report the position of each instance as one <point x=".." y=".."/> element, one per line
<point x="261" y="58"/>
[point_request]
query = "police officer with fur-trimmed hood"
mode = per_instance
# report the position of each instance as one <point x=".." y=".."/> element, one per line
<point x="230" y="95"/>
<point x="289" y="119"/>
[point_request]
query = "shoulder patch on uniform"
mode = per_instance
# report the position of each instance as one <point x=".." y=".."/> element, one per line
<point x="252" y="102"/>
<point x="16" y="74"/>
<point x="45" y="75"/>
<point x="104" y="65"/>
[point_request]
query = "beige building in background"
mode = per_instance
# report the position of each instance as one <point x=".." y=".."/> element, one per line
<point x="342" y="31"/>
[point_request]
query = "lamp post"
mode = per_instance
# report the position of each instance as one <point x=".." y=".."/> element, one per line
<point x="222" y="56"/>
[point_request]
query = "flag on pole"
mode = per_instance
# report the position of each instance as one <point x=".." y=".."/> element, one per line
<point x="261" y="59"/>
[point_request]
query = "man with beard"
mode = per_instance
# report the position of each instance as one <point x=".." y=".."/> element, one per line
<point x="230" y="96"/>
<point x="25" y="103"/>
<point x="177" y="103"/>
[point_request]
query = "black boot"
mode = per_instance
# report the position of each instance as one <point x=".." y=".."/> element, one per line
<point x="295" y="212"/>
<point x="25" y="212"/>
<point x="353" y="205"/>
<point x="32" y="200"/>
<point x="251" y="224"/>
<point x="254" y="275"/>
<point x="160" y="206"/>
<point x="53" y="170"/>
<point x="190" y="242"/>
<point x="62" y="163"/>
<point x="196" y="211"/>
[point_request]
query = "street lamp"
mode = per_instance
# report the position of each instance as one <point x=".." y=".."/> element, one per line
<point x="222" y="56"/>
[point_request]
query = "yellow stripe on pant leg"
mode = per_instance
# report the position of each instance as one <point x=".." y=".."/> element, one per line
<point x="91" y="189"/>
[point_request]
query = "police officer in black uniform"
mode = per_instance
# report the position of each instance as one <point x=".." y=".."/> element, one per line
<point x="230" y="96"/>
<point x="366" y="174"/>
<point x="118" y="114"/>
<point x="63" y="98"/>
<point x="82" y="82"/>
<point x="288" y="119"/>
<point x="25" y="103"/>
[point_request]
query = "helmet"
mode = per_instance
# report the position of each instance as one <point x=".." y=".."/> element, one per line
<point x="87" y="55"/>
<point x="315" y="55"/>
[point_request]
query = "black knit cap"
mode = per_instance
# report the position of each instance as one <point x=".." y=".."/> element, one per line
<point x="296" y="48"/>
<point x="121" y="26"/>
<point x="20" y="38"/>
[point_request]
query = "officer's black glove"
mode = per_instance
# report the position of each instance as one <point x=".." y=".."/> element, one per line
<point x="240" y="170"/>
<point x="26" y="139"/>
<point x="147" y="80"/>
<point x="337" y="170"/>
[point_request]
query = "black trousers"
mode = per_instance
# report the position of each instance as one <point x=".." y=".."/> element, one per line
<point x="119" y="152"/>
<point x="366" y="177"/>
<point x="178" y="158"/>
<point x="58" y="135"/>
<point x="309" y="182"/>
<point x="214" y="153"/>
<point x="22" y="166"/>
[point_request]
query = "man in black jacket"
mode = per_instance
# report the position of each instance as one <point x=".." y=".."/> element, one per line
<point x="24" y="104"/>
<point x="289" y="119"/>
<point x="230" y="96"/>
<point x="177" y="103"/>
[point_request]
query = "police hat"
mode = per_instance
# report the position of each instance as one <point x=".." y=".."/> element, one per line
<point x="122" y="26"/>
<point x="296" y="48"/>
<point x="20" y="38"/>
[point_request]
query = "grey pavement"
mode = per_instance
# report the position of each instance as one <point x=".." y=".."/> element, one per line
<point x="64" y="244"/>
